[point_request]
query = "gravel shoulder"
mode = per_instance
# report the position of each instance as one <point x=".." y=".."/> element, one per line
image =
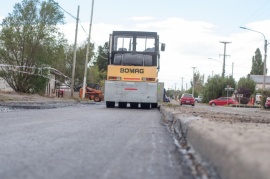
<point x="23" y="97"/>
<point x="34" y="101"/>
<point x="234" y="140"/>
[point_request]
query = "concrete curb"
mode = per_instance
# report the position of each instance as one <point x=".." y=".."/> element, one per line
<point x="218" y="146"/>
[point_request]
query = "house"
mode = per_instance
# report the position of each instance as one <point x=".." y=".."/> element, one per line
<point x="50" y="86"/>
<point x="51" y="89"/>
<point x="4" y="86"/>
<point x="54" y="88"/>
<point x="259" y="81"/>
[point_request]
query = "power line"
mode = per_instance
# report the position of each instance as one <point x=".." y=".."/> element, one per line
<point x="65" y="10"/>
<point x="254" y="14"/>
<point x="80" y="25"/>
<point x="16" y="68"/>
<point x="73" y="18"/>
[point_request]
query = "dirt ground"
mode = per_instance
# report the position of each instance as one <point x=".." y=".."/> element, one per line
<point x="23" y="97"/>
<point x="225" y="114"/>
<point x="233" y="139"/>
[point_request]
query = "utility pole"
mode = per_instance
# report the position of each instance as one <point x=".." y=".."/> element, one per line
<point x="193" y="85"/>
<point x="232" y="68"/>
<point x="87" y="51"/>
<point x="74" y="55"/>
<point x="224" y="56"/>
<point x="182" y="84"/>
<point x="175" y="91"/>
<point x="264" y="62"/>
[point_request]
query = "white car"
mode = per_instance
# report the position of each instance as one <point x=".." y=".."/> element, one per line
<point x="198" y="99"/>
<point x="258" y="98"/>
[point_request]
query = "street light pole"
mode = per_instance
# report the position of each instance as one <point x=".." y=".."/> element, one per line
<point x="264" y="62"/>
<point x="265" y="54"/>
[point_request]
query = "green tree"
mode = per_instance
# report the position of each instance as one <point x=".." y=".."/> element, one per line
<point x="102" y="57"/>
<point x="97" y="76"/>
<point x="257" y="63"/>
<point x="98" y="72"/>
<point x="215" y="87"/>
<point x="246" y="82"/>
<point x="246" y="87"/>
<point x="80" y="62"/>
<point x="198" y="83"/>
<point x="31" y="40"/>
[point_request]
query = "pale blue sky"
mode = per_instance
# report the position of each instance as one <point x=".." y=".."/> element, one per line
<point x="191" y="30"/>
<point x="230" y="13"/>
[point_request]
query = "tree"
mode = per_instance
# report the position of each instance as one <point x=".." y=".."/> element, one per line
<point x="80" y="62"/>
<point x="96" y="76"/>
<point x="257" y="64"/>
<point x="245" y="86"/>
<point x="198" y="81"/>
<point x="102" y="57"/>
<point x="31" y="40"/>
<point x="215" y="87"/>
<point x="98" y="72"/>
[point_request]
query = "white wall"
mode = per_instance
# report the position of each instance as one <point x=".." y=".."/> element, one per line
<point x="4" y="86"/>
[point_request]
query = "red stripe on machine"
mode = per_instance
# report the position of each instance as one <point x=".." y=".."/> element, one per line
<point x="131" y="78"/>
<point x="130" y="88"/>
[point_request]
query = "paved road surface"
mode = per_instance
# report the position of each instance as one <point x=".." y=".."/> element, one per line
<point x="87" y="141"/>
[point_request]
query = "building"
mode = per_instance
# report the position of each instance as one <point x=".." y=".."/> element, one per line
<point x="49" y="91"/>
<point x="259" y="81"/>
<point x="4" y="86"/>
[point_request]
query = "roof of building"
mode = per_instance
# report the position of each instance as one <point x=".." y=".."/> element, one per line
<point x="259" y="79"/>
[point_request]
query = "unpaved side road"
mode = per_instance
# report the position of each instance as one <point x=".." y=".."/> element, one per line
<point x="234" y="140"/>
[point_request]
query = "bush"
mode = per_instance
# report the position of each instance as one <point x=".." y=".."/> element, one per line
<point x="263" y="100"/>
<point x="243" y="100"/>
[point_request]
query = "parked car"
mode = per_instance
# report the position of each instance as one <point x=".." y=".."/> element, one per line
<point x="187" y="99"/>
<point x="222" y="101"/>
<point x="267" y="102"/>
<point x="198" y="99"/>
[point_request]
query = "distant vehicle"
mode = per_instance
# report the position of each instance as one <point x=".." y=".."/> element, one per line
<point x="92" y="91"/>
<point x="267" y="102"/>
<point x="187" y="99"/>
<point x="167" y="99"/>
<point x="258" y="98"/>
<point x="198" y="99"/>
<point x="222" y="101"/>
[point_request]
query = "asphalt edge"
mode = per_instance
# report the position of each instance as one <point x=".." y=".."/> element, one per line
<point x="43" y="104"/>
<point x="229" y="162"/>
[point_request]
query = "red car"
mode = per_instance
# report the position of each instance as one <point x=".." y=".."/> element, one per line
<point x="187" y="99"/>
<point x="267" y="102"/>
<point x="222" y="101"/>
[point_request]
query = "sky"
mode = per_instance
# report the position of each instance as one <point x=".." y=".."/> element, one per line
<point x="192" y="31"/>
